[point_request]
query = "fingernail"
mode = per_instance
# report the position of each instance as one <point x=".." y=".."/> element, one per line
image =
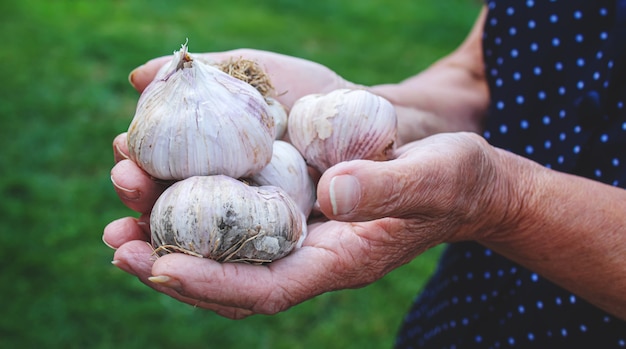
<point x="128" y="194"/>
<point x="345" y="193"/>
<point x="106" y="243"/>
<point x="131" y="77"/>
<point x="165" y="280"/>
<point x="119" y="151"/>
<point x="118" y="263"/>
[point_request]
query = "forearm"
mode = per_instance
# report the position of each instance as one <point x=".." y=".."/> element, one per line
<point x="569" y="229"/>
<point x="451" y="95"/>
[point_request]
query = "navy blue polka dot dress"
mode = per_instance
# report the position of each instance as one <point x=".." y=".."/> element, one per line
<point x="557" y="77"/>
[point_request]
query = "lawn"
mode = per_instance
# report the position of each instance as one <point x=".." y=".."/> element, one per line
<point x="64" y="68"/>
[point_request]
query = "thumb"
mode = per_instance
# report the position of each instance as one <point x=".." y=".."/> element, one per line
<point x="362" y="190"/>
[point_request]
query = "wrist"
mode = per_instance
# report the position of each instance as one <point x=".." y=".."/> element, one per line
<point x="507" y="199"/>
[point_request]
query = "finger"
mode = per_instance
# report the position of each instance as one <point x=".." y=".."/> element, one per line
<point x="137" y="257"/>
<point x="365" y="190"/>
<point x="280" y="70"/>
<point x="134" y="187"/>
<point x="141" y="76"/>
<point x="261" y="289"/>
<point x="227" y="312"/>
<point x="126" y="229"/>
<point x="120" y="148"/>
<point x="227" y="284"/>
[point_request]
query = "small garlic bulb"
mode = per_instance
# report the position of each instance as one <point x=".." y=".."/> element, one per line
<point x="194" y="119"/>
<point x="226" y="220"/>
<point x="342" y="125"/>
<point x="289" y="171"/>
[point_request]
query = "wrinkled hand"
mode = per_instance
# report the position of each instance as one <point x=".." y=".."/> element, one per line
<point x="433" y="192"/>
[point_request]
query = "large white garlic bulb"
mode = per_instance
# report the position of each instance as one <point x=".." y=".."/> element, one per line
<point x="194" y="119"/>
<point x="224" y="219"/>
<point x="342" y="125"/>
<point x="289" y="171"/>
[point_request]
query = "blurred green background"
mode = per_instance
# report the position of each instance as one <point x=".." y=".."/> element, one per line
<point x="64" y="96"/>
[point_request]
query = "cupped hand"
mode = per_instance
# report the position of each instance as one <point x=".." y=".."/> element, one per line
<point x="383" y="214"/>
<point x="292" y="78"/>
<point x="440" y="189"/>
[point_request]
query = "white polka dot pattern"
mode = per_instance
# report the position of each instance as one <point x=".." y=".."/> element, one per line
<point x="568" y="76"/>
<point x="557" y="85"/>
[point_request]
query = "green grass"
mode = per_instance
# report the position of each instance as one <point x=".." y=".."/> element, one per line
<point x="64" y="96"/>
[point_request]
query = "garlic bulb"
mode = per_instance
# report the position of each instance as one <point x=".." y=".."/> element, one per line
<point x="224" y="219"/>
<point x="194" y="119"/>
<point x="289" y="171"/>
<point x="342" y="125"/>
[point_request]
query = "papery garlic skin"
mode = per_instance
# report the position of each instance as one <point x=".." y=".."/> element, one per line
<point x="193" y="119"/>
<point x="342" y="125"/>
<point x="289" y="171"/>
<point x="224" y="219"/>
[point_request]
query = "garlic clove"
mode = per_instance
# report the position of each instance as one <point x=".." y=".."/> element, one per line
<point x="342" y="125"/>
<point x="289" y="171"/>
<point x="194" y="119"/>
<point x="278" y="111"/>
<point x="224" y="219"/>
